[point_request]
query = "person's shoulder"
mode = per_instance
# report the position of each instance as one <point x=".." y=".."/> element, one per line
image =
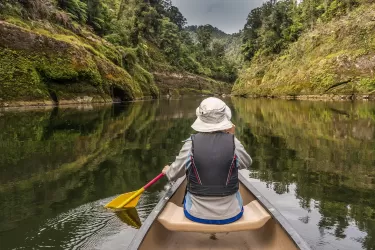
<point x="236" y="141"/>
<point x="188" y="139"/>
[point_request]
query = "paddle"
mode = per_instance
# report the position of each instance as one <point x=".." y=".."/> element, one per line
<point x="130" y="200"/>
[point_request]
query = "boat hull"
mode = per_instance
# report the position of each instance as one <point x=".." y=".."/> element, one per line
<point x="276" y="234"/>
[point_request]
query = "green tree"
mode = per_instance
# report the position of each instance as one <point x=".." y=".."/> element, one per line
<point x="218" y="50"/>
<point x="251" y="33"/>
<point x="204" y="35"/>
<point x="176" y="17"/>
<point x="169" y="39"/>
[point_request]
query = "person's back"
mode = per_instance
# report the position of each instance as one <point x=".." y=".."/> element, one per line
<point x="211" y="160"/>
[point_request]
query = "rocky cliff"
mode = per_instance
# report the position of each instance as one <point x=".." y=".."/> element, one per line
<point x="52" y="65"/>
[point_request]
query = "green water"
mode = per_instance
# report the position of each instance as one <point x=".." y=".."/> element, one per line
<point x="314" y="161"/>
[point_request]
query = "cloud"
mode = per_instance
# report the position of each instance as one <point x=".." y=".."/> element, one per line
<point x="215" y="7"/>
<point x="228" y="15"/>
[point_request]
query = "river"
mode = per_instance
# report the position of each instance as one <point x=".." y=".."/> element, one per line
<point x="315" y="161"/>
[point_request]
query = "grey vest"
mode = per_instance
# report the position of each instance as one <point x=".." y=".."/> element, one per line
<point x="213" y="171"/>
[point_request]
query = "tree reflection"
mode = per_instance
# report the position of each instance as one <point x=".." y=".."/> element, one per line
<point x="52" y="161"/>
<point x="326" y="149"/>
<point x="57" y="160"/>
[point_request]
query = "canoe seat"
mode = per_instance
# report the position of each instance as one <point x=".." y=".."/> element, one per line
<point x="173" y="219"/>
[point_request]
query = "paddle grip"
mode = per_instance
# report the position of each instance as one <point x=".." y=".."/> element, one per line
<point x="154" y="180"/>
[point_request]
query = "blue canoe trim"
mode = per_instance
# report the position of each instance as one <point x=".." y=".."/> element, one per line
<point x="213" y="222"/>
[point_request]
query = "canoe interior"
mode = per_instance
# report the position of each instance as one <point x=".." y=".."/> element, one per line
<point x="270" y="237"/>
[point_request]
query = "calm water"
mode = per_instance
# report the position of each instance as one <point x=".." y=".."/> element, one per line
<point x="314" y="161"/>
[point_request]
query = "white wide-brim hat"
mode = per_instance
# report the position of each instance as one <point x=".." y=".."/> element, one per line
<point x="212" y="115"/>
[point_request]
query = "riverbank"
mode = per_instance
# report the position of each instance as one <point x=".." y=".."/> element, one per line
<point x="52" y="53"/>
<point x="334" y="60"/>
<point x="324" y="97"/>
<point x="43" y="66"/>
<point x="175" y="94"/>
<point x="184" y="83"/>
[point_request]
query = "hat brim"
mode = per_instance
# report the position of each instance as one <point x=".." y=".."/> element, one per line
<point x="201" y="126"/>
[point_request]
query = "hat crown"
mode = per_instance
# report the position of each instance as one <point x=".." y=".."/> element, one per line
<point x="212" y="115"/>
<point x="213" y="110"/>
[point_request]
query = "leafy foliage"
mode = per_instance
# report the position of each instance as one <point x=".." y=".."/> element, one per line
<point x="204" y="36"/>
<point x="76" y="9"/>
<point x="273" y="26"/>
<point x="136" y="28"/>
<point x="319" y="56"/>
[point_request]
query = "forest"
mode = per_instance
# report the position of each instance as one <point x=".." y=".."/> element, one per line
<point x="124" y="49"/>
<point x="308" y="47"/>
<point x="56" y="159"/>
<point x="141" y="37"/>
<point x="276" y="24"/>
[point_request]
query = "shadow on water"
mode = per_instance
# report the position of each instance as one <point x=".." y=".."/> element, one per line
<point x="313" y="160"/>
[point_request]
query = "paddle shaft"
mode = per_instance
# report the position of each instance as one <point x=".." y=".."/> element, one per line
<point x="153" y="181"/>
<point x="140" y="191"/>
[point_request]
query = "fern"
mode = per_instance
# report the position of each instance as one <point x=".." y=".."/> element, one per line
<point x="76" y="9"/>
<point x="98" y="23"/>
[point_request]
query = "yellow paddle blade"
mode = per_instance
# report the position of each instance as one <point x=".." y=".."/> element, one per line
<point x="127" y="200"/>
<point x="130" y="217"/>
<point x="133" y="203"/>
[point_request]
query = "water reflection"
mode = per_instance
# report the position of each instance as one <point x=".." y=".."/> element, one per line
<point x="315" y="161"/>
<point x="62" y="159"/>
<point x="129" y="217"/>
<point x="323" y="152"/>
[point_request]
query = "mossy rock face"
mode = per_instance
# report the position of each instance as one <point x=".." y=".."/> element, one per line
<point x="146" y="82"/>
<point x="19" y="79"/>
<point x="335" y="58"/>
<point x="33" y="64"/>
<point x="189" y="84"/>
<point x="77" y="93"/>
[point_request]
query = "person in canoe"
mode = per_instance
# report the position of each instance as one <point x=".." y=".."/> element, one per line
<point x="211" y="160"/>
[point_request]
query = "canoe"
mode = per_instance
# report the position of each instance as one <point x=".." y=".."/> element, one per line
<point x="261" y="226"/>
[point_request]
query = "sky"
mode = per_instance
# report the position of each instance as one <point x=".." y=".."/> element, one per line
<point x="227" y="15"/>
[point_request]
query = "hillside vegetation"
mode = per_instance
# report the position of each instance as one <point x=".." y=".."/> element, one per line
<point x="312" y="48"/>
<point x="63" y="51"/>
<point x="73" y="51"/>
